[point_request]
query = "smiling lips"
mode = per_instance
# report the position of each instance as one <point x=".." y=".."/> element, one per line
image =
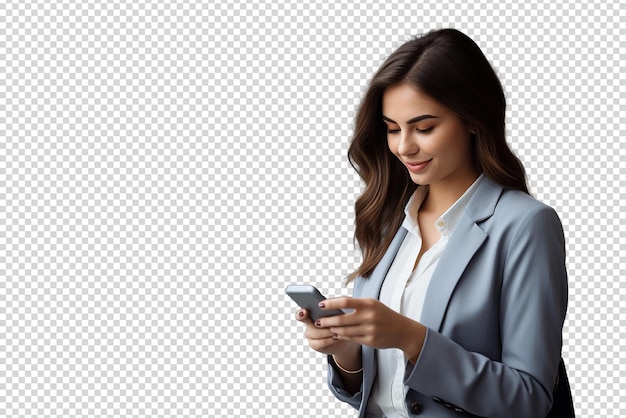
<point x="418" y="166"/>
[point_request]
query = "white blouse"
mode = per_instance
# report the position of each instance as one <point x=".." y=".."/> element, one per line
<point x="404" y="290"/>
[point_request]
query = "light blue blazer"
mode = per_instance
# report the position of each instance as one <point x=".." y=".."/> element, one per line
<point x="494" y="310"/>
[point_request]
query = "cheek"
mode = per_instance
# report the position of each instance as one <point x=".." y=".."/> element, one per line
<point x="434" y="144"/>
<point x="452" y="143"/>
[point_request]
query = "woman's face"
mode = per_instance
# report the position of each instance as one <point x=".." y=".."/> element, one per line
<point x="428" y="138"/>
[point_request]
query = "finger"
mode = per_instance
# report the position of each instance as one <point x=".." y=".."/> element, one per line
<point x="322" y="344"/>
<point x="312" y="333"/>
<point x="302" y="315"/>
<point x="355" y="317"/>
<point x="356" y="335"/>
<point x="344" y="320"/>
<point x="347" y="303"/>
<point x="350" y="331"/>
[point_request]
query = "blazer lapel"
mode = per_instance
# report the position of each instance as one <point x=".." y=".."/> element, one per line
<point x="464" y="242"/>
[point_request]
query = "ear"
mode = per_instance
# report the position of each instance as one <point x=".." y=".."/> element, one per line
<point x="471" y="127"/>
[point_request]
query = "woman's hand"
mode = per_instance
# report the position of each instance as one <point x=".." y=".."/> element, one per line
<point x="321" y="339"/>
<point x="345" y="353"/>
<point x="373" y="324"/>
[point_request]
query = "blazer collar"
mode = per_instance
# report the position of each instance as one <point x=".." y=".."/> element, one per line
<point x="465" y="240"/>
<point x="482" y="205"/>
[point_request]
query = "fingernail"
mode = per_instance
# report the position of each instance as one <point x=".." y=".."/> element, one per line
<point x="321" y="304"/>
<point x="318" y="323"/>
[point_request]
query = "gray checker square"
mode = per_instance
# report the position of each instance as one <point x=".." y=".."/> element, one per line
<point x="168" y="168"/>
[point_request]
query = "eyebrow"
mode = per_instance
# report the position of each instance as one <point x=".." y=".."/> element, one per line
<point x="412" y="120"/>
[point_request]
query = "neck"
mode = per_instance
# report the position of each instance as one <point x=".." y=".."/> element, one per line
<point x="442" y="196"/>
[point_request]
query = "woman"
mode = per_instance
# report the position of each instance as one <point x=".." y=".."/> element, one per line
<point x="459" y="303"/>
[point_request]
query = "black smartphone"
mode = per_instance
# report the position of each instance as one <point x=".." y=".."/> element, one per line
<point x="307" y="297"/>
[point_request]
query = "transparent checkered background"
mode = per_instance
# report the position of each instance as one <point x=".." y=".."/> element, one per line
<point x="167" y="168"/>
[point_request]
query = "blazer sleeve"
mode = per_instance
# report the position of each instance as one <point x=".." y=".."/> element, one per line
<point x="334" y="379"/>
<point x="533" y="304"/>
<point x="337" y="389"/>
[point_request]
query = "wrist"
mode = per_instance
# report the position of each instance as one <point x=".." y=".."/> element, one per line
<point x="351" y="370"/>
<point x="413" y="341"/>
<point x="349" y="359"/>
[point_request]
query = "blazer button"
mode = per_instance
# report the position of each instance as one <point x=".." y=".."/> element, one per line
<point x="416" y="408"/>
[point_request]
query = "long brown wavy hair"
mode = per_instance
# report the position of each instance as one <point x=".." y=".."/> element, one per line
<point x="449" y="67"/>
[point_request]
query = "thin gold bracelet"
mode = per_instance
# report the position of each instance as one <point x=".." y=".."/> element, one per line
<point x="344" y="370"/>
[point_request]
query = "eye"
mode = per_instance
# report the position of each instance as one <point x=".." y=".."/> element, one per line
<point x="393" y="131"/>
<point x="425" y="131"/>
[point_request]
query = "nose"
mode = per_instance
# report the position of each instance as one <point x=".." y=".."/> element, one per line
<point x="408" y="143"/>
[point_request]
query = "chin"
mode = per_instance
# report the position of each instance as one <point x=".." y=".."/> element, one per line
<point x="420" y="180"/>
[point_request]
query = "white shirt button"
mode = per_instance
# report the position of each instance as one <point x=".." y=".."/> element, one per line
<point x="441" y="223"/>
